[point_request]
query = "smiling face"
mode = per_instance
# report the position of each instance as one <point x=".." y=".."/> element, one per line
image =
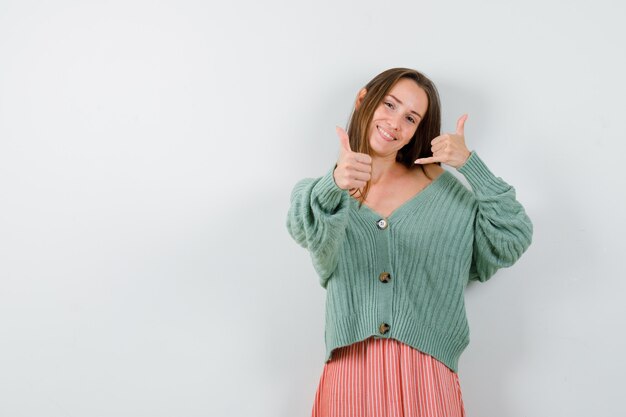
<point x="396" y="118"/>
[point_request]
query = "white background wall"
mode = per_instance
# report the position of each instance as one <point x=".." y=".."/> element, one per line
<point x="147" y="154"/>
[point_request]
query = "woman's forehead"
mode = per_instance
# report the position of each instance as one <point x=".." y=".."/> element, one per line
<point x="410" y="94"/>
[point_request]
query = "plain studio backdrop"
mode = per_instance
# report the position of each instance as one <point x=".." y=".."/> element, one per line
<point x="147" y="155"/>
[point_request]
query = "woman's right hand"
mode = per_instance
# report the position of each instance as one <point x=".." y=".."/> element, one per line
<point x="353" y="169"/>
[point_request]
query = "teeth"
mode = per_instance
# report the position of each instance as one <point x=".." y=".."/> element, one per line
<point x="385" y="134"/>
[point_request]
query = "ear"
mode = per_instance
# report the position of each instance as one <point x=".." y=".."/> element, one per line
<point x="359" y="98"/>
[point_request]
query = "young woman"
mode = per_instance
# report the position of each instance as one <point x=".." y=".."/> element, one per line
<point x="395" y="239"/>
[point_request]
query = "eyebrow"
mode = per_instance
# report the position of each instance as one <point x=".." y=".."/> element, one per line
<point x="412" y="111"/>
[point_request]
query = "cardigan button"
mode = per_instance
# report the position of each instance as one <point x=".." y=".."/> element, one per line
<point x="383" y="328"/>
<point x="384" y="277"/>
<point x="382" y="224"/>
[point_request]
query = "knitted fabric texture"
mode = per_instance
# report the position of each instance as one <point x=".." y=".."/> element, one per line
<point x="431" y="247"/>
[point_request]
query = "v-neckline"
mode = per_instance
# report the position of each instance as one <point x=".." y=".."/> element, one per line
<point x="398" y="210"/>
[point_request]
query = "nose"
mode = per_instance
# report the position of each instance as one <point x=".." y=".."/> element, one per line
<point x="394" y="121"/>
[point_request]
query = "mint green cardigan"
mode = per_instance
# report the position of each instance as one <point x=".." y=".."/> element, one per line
<point x="404" y="277"/>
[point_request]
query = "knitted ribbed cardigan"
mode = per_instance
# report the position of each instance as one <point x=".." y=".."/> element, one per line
<point x="431" y="247"/>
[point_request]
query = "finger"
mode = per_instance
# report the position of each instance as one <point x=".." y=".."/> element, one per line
<point x="437" y="139"/>
<point x="427" y="160"/>
<point x="438" y="147"/>
<point x="360" y="176"/>
<point x="363" y="167"/>
<point x="359" y="184"/>
<point x="357" y="166"/>
<point x="363" y="158"/>
<point x="460" y="125"/>
<point x="359" y="169"/>
<point x="344" y="140"/>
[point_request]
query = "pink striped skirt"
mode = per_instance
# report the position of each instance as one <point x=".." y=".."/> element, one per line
<point x="386" y="378"/>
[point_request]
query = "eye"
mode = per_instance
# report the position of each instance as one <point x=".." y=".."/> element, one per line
<point x="410" y="119"/>
<point x="388" y="104"/>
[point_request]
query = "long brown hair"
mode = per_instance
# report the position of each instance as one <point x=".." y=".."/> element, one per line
<point x="361" y="118"/>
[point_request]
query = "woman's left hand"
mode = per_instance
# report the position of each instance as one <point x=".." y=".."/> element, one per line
<point x="449" y="148"/>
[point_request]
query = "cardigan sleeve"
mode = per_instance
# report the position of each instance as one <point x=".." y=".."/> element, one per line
<point x="317" y="220"/>
<point x="502" y="230"/>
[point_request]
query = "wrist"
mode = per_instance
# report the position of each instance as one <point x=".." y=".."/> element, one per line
<point x="469" y="153"/>
<point x="334" y="177"/>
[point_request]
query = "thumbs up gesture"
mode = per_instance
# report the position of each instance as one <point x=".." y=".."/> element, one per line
<point x="449" y="148"/>
<point x="353" y="169"/>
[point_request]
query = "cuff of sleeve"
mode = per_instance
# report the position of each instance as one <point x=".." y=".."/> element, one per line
<point x="482" y="180"/>
<point x="329" y="193"/>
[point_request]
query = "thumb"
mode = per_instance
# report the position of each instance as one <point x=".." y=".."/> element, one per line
<point x="344" y="140"/>
<point x="460" y="125"/>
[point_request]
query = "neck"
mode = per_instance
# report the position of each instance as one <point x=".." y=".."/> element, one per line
<point x="383" y="167"/>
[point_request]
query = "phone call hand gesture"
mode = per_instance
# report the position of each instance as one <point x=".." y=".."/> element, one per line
<point x="449" y="148"/>
<point x="353" y="169"/>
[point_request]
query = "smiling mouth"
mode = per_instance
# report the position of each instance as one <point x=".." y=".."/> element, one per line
<point x="386" y="135"/>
